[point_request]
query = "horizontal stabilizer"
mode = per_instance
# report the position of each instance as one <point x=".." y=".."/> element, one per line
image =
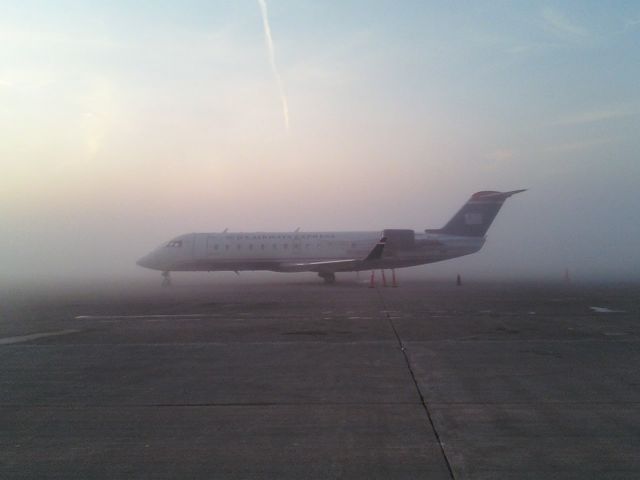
<point x="489" y="195"/>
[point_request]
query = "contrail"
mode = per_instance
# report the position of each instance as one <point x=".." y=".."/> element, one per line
<point x="272" y="59"/>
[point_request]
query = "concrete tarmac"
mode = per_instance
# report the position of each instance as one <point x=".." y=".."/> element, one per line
<point x="296" y="379"/>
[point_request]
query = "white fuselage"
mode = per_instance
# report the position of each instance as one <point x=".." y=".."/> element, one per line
<point x="330" y="252"/>
<point x="300" y="251"/>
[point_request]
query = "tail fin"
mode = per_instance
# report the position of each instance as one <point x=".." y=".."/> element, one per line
<point x="476" y="216"/>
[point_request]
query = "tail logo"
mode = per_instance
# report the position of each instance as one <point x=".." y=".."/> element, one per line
<point x="473" y="219"/>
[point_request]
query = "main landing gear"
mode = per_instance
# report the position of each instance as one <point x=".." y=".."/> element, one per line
<point x="166" y="279"/>
<point x="328" y="277"/>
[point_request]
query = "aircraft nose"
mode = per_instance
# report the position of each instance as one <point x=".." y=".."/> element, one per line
<point x="145" y="261"/>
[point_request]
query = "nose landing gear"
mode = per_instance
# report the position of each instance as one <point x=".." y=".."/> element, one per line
<point x="166" y="279"/>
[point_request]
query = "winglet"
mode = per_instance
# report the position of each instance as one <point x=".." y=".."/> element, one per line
<point x="376" y="252"/>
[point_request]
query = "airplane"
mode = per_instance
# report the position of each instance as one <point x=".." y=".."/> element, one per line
<point x="328" y="253"/>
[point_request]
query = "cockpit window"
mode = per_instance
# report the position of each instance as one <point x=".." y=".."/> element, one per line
<point x="174" y="243"/>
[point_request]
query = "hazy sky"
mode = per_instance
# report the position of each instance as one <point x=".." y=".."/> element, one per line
<point x="123" y="124"/>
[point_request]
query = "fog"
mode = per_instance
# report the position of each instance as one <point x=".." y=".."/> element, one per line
<point x="122" y="126"/>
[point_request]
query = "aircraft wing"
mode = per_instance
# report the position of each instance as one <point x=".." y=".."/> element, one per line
<point x="343" y="265"/>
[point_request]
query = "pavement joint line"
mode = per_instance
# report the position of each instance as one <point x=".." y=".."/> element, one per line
<point x="211" y="404"/>
<point x="415" y="382"/>
<point x="199" y="344"/>
<point x="145" y="317"/>
<point x="569" y="402"/>
<point x="523" y="340"/>
<point x="35" y="336"/>
<point x="303" y="404"/>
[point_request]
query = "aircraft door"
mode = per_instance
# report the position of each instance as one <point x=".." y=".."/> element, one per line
<point x="200" y="246"/>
